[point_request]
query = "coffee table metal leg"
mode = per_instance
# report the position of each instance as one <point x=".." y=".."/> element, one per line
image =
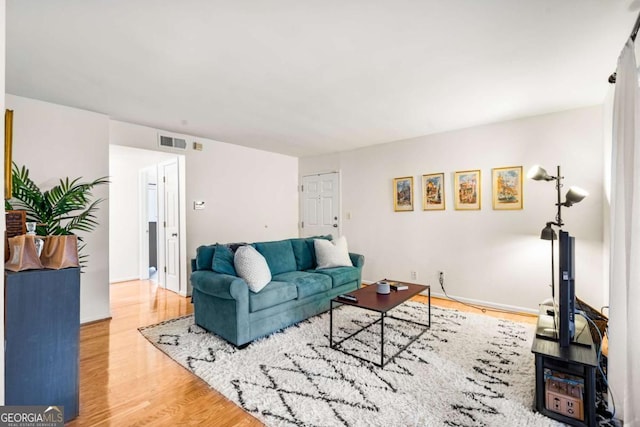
<point x="429" y="297"/>
<point x="381" y="339"/>
<point x="330" y="324"/>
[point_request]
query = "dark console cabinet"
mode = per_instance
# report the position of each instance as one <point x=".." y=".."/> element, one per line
<point x="42" y="327"/>
<point x="578" y="361"/>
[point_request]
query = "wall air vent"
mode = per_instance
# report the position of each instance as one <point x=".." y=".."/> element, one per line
<point x="172" y="142"/>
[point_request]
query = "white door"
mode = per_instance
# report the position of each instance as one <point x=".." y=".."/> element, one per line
<point x="171" y="223"/>
<point x="321" y="205"/>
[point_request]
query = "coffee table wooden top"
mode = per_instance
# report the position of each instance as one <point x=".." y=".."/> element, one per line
<point x="368" y="297"/>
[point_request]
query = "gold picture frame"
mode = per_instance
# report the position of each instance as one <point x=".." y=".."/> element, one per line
<point x="403" y="194"/>
<point x="506" y="184"/>
<point x="467" y="190"/>
<point x="8" y="142"/>
<point x="433" y="192"/>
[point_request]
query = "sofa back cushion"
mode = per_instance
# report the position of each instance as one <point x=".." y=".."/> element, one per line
<point x="305" y="253"/>
<point x="279" y="256"/>
<point x="204" y="257"/>
<point x="223" y="260"/>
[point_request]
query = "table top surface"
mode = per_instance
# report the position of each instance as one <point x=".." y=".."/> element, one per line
<point x="575" y="353"/>
<point x="368" y="297"/>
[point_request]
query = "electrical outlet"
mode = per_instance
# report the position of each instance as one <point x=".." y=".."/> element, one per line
<point x="414" y="275"/>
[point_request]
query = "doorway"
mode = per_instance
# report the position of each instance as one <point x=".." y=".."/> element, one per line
<point x="149" y="181"/>
<point x="147" y="199"/>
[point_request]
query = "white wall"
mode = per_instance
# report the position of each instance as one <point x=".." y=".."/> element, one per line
<point x="56" y="142"/>
<point x="125" y="164"/>
<point x="488" y="256"/>
<point x="251" y="195"/>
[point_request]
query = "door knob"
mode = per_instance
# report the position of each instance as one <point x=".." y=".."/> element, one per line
<point x="174" y="234"/>
<point x="335" y="225"/>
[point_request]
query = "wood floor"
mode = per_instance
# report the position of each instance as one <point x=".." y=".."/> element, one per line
<point x="126" y="381"/>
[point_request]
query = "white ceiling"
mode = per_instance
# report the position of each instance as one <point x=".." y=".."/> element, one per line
<point x="304" y="77"/>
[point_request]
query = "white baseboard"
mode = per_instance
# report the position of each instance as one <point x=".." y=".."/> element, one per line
<point x="482" y="303"/>
<point x="94" y="319"/>
<point x="124" y="279"/>
<point x="487" y="304"/>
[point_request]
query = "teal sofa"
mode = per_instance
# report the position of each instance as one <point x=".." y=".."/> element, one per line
<point x="224" y="304"/>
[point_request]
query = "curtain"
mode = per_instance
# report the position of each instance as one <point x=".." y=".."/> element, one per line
<point x="624" y="291"/>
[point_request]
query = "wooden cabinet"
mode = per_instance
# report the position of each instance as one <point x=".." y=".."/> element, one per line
<point x="42" y="327"/>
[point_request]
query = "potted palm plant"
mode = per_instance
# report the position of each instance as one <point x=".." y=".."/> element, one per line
<point x="67" y="208"/>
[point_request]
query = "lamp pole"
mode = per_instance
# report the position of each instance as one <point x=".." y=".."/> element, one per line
<point x="559" y="204"/>
<point x="553" y="275"/>
<point x="559" y="224"/>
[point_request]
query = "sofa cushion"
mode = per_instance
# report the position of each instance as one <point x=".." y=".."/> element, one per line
<point x="223" y="260"/>
<point x="271" y="295"/>
<point x="204" y="257"/>
<point x="308" y="283"/>
<point x="332" y="254"/>
<point x="341" y="275"/>
<point x="304" y="251"/>
<point x="252" y="267"/>
<point x="279" y="256"/>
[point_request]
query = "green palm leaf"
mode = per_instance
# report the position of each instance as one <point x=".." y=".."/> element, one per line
<point x="67" y="208"/>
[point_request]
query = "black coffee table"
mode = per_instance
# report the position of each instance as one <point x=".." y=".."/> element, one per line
<point x="369" y="299"/>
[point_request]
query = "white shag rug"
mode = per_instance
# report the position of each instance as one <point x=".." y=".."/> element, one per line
<point x="467" y="370"/>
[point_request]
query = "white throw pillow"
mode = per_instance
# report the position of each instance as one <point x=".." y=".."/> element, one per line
<point x="332" y="254"/>
<point x="252" y="267"/>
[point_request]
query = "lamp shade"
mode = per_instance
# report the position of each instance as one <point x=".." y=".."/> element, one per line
<point x="538" y="173"/>
<point x="548" y="233"/>
<point x="574" y="195"/>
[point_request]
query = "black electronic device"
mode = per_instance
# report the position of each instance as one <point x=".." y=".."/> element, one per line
<point x="558" y="322"/>
<point x="348" y="297"/>
<point x="567" y="291"/>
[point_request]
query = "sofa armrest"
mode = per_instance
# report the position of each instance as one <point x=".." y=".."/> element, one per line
<point x="219" y="285"/>
<point x="357" y="260"/>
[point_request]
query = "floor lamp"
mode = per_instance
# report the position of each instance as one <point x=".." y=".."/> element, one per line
<point x="574" y="195"/>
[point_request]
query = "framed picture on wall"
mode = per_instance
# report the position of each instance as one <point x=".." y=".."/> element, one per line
<point x="433" y="192"/>
<point x="507" y="188"/>
<point x="467" y="190"/>
<point x="403" y="194"/>
<point x="8" y="141"/>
